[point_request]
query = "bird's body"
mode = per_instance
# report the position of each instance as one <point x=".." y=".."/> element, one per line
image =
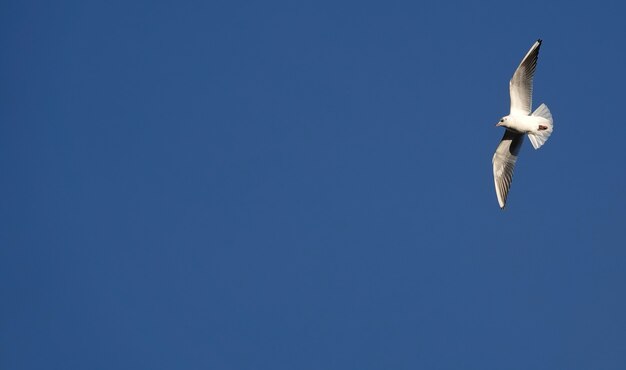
<point x="526" y="124"/>
<point x="538" y="125"/>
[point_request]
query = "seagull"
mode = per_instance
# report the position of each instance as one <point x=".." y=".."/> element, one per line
<point x="538" y="125"/>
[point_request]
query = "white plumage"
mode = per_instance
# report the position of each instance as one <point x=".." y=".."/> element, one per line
<point x="538" y="125"/>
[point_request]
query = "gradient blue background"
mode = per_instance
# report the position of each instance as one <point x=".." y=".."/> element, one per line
<point x="308" y="185"/>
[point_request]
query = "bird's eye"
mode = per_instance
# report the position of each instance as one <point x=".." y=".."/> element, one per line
<point x="502" y="120"/>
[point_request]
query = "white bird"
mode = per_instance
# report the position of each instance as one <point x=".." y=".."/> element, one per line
<point x="538" y="125"/>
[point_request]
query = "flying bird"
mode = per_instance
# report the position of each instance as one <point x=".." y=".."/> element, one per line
<point x="538" y="125"/>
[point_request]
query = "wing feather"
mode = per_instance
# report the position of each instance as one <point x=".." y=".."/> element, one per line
<point x="521" y="84"/>
<point x="504" y="162"/>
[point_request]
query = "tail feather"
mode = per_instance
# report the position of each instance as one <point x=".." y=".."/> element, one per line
<point x="539" y="137"/>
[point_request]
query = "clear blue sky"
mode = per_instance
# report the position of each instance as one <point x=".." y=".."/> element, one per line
<point x="308" y="185"/>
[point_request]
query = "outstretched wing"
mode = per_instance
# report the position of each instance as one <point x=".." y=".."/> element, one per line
<point x="521" y="85"/>
<point x="504" y="162"/>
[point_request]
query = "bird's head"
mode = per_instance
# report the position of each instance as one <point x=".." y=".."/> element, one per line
<point x="503" y="121"/>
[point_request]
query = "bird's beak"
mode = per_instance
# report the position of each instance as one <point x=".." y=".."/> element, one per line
<point x="498" y="124"/>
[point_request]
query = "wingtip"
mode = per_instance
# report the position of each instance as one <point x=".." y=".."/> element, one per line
<point x="539" y="41"/>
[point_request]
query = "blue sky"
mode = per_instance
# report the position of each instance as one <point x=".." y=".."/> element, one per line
<point x="308" y="185"/>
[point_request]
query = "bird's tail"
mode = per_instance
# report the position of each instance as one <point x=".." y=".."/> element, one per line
<point x="544" y="129"/>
